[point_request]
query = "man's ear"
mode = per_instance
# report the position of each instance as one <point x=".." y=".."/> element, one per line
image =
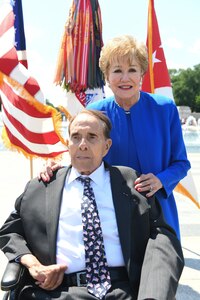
<point x="108" y="144"/>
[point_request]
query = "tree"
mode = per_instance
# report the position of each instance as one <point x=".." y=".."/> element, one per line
<point x="197" y="102"/>
<point x="186" y="87"/>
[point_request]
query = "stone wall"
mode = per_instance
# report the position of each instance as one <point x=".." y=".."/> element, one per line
<point x="185" y="112"/>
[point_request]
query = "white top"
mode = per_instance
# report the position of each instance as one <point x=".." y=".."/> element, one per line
<point x="70" y="246"/>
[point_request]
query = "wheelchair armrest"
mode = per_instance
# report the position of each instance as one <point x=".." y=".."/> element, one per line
<point x="12" y="276"/>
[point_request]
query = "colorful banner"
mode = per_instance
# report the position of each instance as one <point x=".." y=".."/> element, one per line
<point x="77" y="69"/>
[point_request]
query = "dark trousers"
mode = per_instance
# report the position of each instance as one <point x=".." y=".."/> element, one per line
<point x="118" y="291"/>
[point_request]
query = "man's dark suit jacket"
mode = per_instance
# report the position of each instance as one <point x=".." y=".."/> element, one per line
<point x="151" y="250"/>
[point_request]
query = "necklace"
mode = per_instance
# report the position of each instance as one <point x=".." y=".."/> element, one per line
<point x="127" y="111"/>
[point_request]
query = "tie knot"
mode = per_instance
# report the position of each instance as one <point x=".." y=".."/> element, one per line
<point x="84" y="180"/>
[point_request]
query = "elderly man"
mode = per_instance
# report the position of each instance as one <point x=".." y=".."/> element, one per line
<point x="88" y="234"/>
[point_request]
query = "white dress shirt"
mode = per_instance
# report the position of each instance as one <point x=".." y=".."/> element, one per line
<point x="70" y="246"/>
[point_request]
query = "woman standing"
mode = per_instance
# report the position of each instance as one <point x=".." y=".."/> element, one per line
<point x="146" y="130"/>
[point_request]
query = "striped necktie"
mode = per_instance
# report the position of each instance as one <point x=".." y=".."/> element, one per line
<point x="97" y="273"/>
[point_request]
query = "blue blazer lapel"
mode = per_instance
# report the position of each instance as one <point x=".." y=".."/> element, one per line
<point x="54" y="193"/>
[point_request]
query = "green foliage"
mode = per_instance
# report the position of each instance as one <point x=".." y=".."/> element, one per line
<point x="197" y="102"/>
<point x="186" y="87"/>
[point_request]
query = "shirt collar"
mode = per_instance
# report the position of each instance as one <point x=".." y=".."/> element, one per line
<point x="98" y="176"/>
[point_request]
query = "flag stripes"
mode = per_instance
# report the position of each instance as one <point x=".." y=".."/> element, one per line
<point x="30" y="126"/>
<point x="9" y="63"/>
<point x="28" y="148"/>
<point x="25" y="124"/>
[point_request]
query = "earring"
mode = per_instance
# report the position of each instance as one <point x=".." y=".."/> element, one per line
<point x="140" y="84"/>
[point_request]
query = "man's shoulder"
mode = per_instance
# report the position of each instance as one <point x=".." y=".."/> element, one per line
<point x="126" y="172"/>
<point x="56" y="174"/>
<point x="121" y="174"/>
<point x="60" y="172"/>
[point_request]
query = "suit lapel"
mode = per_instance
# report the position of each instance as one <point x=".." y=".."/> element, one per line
<point x="54" y="193"/>
<point x="123" y="209"/>
<point x="129" y="209"/>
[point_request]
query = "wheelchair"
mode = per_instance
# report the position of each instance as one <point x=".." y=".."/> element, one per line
<point x="11" y="279"/>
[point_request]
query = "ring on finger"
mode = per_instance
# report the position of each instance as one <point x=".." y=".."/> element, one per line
<point x="151" y="188"/>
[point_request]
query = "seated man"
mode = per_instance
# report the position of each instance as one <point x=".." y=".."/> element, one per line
<point x="88" y="234"/>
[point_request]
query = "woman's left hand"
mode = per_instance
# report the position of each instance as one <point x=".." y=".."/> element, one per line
<point x="148" y="183"/>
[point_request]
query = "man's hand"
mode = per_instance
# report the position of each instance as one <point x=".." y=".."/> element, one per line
<point x="148" y="183"/>
<point x="47" y="277"/>
<point x="48" y="169"/>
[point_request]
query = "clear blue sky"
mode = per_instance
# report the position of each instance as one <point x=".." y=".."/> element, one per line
<point x="178" y="20"/>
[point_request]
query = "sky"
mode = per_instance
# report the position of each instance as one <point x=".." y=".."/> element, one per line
<point x="178" y="21"/>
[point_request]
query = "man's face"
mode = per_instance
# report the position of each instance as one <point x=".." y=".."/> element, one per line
<point x="87" y="143"/>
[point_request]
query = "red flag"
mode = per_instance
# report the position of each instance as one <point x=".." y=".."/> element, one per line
<point x="157" y="81"/>
<point x="29" y="124"/>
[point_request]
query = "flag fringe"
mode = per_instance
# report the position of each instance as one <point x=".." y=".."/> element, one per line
<point x="182" y="190"/>
<point x="7" y="143"/>
<point x="1" y="78"/>
<point x="65" y="111"/>
<point x="46" y="109"/>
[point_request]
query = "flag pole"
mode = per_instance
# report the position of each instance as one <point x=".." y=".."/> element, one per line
<point x="150" y="46"/>
<point x="31" y="167"/>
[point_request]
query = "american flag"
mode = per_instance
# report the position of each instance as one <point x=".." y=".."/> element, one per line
<point x="29" y="126"/>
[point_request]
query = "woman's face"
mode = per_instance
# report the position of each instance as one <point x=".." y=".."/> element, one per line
<point x="124" y="79"/>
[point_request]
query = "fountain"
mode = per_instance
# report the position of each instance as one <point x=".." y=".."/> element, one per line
<point x="191" y="124"/>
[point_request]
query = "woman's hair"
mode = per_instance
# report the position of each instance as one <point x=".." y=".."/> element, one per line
<point x="124" y="46"/>
<point x="100" y="116"/>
